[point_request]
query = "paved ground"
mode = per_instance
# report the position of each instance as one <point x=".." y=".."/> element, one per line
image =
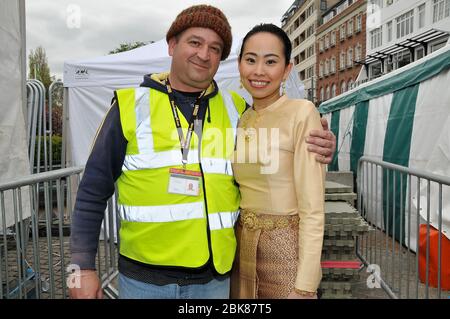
<point x="397" y="267"/>
<point x="51" y="270"/>
<point x="394" y="271"/>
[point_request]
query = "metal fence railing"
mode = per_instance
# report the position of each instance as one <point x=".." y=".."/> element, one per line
<point x="406" y="250"/>
<point x="36" y="125"/>
<point x="40" y="128"/>
<point x="35" y="233"/>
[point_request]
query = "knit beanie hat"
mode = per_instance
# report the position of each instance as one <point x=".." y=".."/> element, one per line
<point x="203" y="16"/>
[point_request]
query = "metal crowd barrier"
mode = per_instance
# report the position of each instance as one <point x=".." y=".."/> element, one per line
<point x="399" y="203"/>
<point x="36" y="124"/>
<point x="39" y="125"/>
<point x="56" y="85"/>
<point x="35" y="232"/>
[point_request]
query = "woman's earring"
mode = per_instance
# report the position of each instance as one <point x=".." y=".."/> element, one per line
<point x="283" y="88"/>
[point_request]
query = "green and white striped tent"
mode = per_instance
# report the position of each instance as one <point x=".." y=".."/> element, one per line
<point x="402" y="118"/>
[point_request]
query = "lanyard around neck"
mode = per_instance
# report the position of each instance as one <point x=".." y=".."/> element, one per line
<point x="184" y="142"/>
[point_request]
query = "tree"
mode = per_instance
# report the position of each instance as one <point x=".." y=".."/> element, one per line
<point x="38" y="66"/>
<point x="128" y="46"/>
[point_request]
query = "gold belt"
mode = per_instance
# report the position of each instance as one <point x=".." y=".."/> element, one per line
<point x="252" y="221"/>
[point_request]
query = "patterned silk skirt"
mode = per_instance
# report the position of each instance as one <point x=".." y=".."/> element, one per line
<point x="266" y="260"/>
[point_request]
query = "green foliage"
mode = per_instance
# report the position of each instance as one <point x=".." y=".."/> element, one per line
<point x="56" y="119"/>
<point x="127" y="46"/>
<point x="38" y="66"/>
<point x="56" y="149"/>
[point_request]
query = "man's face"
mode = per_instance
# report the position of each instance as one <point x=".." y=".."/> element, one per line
<point x="196" y="55"/>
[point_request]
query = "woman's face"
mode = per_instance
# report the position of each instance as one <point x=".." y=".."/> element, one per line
<point x="263" y="68"/>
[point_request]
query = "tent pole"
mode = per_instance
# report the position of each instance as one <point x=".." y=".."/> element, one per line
<point x="22" y="16"/>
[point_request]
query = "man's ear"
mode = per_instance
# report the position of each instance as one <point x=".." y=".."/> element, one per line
<point x="171" y="45"/>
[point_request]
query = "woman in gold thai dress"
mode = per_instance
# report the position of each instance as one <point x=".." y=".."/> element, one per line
<point x="281" y="225"/>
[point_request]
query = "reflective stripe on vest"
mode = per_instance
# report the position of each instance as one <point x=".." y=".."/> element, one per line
<point x="222" y="220"/>
<point x="173" y="213"/>
<point x="173" y="158"/>
<point x="162" y="214"/>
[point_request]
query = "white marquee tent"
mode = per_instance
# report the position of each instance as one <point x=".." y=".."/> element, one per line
<point x="13" y="142"/>
<point x="90" y="83"/>
<point x="403" y="118"/>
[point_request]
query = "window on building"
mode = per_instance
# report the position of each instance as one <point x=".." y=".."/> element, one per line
<point x="358" y="23"/>
<point x="310" y="72"/>
<point x="375" y="70"/>
<point x="421" y="16"/>
<point x="441" y="9"/>
<point x="297" y="59"/>
<point x="405" y="24"/>
<point x="350" y="84"/>
<point x="342" y="37"/>
<point x="342" y="61"/>
<point x="327" y="67"/>
<point x="327" y="41"/>
<point x="420" y="53"/>
<point x="311" y="9"/>
<point x="321" y="45"/>
<point x="350" y="28"/>
<point x="321" y="69"/>
<point x="376" y="38"/>
<point x="404" y="59"/>
<point x="389" y="31"/>
<point x="437" y="46"/>
<point x="388" y="66"/>
<point x="349" y="57"/>
<point x="302" y="56"/>
<point x="343" y="87"/>
<point x="333" y="90"/>
<point x="377" y="4"/>
<point x="301" y="75"/>
<point x="327" y="93"/>
<point x="333" y="65"/>
<point x="310" y="51"/>
<point x="333" y="38"/>
<point x="310" y="31"/>
<point x="358" y="50"/>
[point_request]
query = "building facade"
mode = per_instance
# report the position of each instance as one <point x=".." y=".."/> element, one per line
<point x="402" y="31"/>
<point x="341" y="46"/>
<point x="300" y="23"/>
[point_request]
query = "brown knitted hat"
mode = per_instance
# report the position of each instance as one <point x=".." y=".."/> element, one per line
<point x="203" y="16"/>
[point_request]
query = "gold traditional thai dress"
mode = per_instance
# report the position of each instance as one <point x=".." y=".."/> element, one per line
<point x="281" y="226"/>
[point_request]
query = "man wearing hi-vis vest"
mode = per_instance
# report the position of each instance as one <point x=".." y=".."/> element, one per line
<point x="167" y="147"/>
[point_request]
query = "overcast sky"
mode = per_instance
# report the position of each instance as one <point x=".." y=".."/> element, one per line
<point x="79" y="29"/>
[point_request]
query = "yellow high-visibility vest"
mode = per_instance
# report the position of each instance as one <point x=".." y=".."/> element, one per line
<point x="165" y="229"/>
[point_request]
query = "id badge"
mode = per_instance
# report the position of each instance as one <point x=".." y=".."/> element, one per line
<point x="184" y="182"/>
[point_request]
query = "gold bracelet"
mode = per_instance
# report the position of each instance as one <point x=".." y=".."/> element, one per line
<point x="304" y="292"/>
